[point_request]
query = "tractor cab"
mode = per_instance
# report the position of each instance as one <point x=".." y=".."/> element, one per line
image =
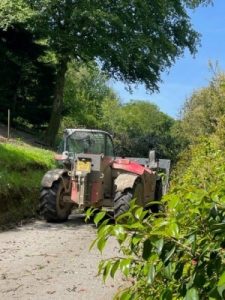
<point x="77" y="141"/>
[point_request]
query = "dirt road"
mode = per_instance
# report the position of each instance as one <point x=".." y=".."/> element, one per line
<point x="53" y="261"/>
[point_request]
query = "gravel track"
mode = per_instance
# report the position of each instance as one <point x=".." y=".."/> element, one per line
<point x="52" y="261"/>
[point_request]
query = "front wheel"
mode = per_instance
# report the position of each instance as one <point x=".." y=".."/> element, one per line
<point x="122" y="199"/>
<point x="52" y="206"/>
<point x="158" y="196"/>
<point x="122" y="202"/>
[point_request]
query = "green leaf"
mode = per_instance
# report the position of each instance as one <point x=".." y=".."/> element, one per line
<point x="99" y="217"/>
<point x="169" y="270"/>
<point x="104" y="230"/>
<point x="221" y="280"/>
<point x="101" y="266"/>
<point x="192" y="294"/>
<point x="125" y="265"/>
<point x="125" y="295"/>
<point x="214" y="294"/>
<point x="138" y="213"/>
<point x="106" y="270"/>
<point x="166" y="295"/>
<point x="159" y="245"/>
<point x="93" y="243"/>
<point x="136" y="239"/>
<point x="120" y="233"/>
<point x="135" y="226"/>
<point x="221" y="290"/>
<point x="173" y="201"/>
<point x="101" y="243"/>
<point x="114" y="268"/>
<point x="171" y="252"/>
<point x="90" y="211"/>
<point x="147" y="248"/>
<point x="124" y="216"/>
<point x="151" y="274"/>
<point x="104" y="223"/>
<point x="173" y="230"/>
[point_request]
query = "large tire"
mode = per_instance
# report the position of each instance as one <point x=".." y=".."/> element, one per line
<point x="158" y="190"/>
<point x="158" y="196"/>
<point x="122" y="202"/>
<point x="52" y="208"/>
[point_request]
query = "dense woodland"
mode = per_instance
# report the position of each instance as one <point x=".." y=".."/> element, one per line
<point x="56" y="60"/>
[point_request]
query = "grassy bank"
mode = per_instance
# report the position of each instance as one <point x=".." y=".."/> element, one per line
<point x="21" y="170"/>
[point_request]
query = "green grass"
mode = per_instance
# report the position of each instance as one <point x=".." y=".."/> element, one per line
<point x="21" y="170"/>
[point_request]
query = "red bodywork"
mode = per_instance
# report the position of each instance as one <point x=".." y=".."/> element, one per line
<point x="130" y="166"/>
<point x="74" y="191"/>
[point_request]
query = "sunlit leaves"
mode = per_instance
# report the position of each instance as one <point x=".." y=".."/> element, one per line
<point x="192" y="294"/>
<point x="180" y="253"/>
<point x="13" y="12"/>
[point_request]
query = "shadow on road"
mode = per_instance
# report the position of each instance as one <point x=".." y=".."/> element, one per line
<point x="75" y="220"/>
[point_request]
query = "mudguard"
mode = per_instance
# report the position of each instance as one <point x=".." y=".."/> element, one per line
<point x="124" y="181"/>
<point x="52" y="176"/>
<point x="130" y="166"/>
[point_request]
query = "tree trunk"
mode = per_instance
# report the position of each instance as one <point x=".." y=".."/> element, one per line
<point x="57" y="106"/>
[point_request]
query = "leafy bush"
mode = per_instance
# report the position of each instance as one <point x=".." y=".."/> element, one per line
<point x="178" y="253"/>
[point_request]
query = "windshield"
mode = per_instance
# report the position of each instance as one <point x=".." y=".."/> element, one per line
<point x="89" y="142"/>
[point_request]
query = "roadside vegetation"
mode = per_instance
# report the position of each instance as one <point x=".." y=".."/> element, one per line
<point x="178" y="253"/>
<point x="21" y="170"/>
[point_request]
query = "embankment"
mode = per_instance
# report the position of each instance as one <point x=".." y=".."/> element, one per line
<point x="21" y="169"/>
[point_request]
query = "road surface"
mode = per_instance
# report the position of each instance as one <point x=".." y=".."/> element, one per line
<point x="52" y="261"/>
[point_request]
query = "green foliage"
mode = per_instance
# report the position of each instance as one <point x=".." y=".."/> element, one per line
<point x="139" y="126"/>
<point x="26" y="85"/>
<point x="146" y="39"/>
<point x="86" y="88"/>
<point x="133" y="41"/>
<point x="13" y="12"/>
<point x="203" y="111"/>
<point x="177" y="253"/>
<point x="21" y="170"/>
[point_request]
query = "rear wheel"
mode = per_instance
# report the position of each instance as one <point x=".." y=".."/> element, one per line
<point x="122" y="202"/>
<point x="52" y="206"/>
<point x="122" y="199"/>
<point x="158" y="196"/>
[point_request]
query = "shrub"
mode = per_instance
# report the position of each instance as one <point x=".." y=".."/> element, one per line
<point x="178" y="253"/>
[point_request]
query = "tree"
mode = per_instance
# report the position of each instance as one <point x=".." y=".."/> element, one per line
<point x="202" y="112"/>
<point x="26" y="85"/>
<point x="139" y="126"/>
<point x="14" y="12"/>
<point x="86" y="88"/>
<point x="133" y="40"/>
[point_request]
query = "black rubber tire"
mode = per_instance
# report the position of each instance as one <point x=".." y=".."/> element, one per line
<point x="159" y="190"/>
<point x="50" y="207"/>
<point x="122" y="202"/>
<point x="158" y="196"/>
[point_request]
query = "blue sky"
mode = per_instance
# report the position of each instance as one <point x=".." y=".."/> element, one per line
<point x="188" y="73"/>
